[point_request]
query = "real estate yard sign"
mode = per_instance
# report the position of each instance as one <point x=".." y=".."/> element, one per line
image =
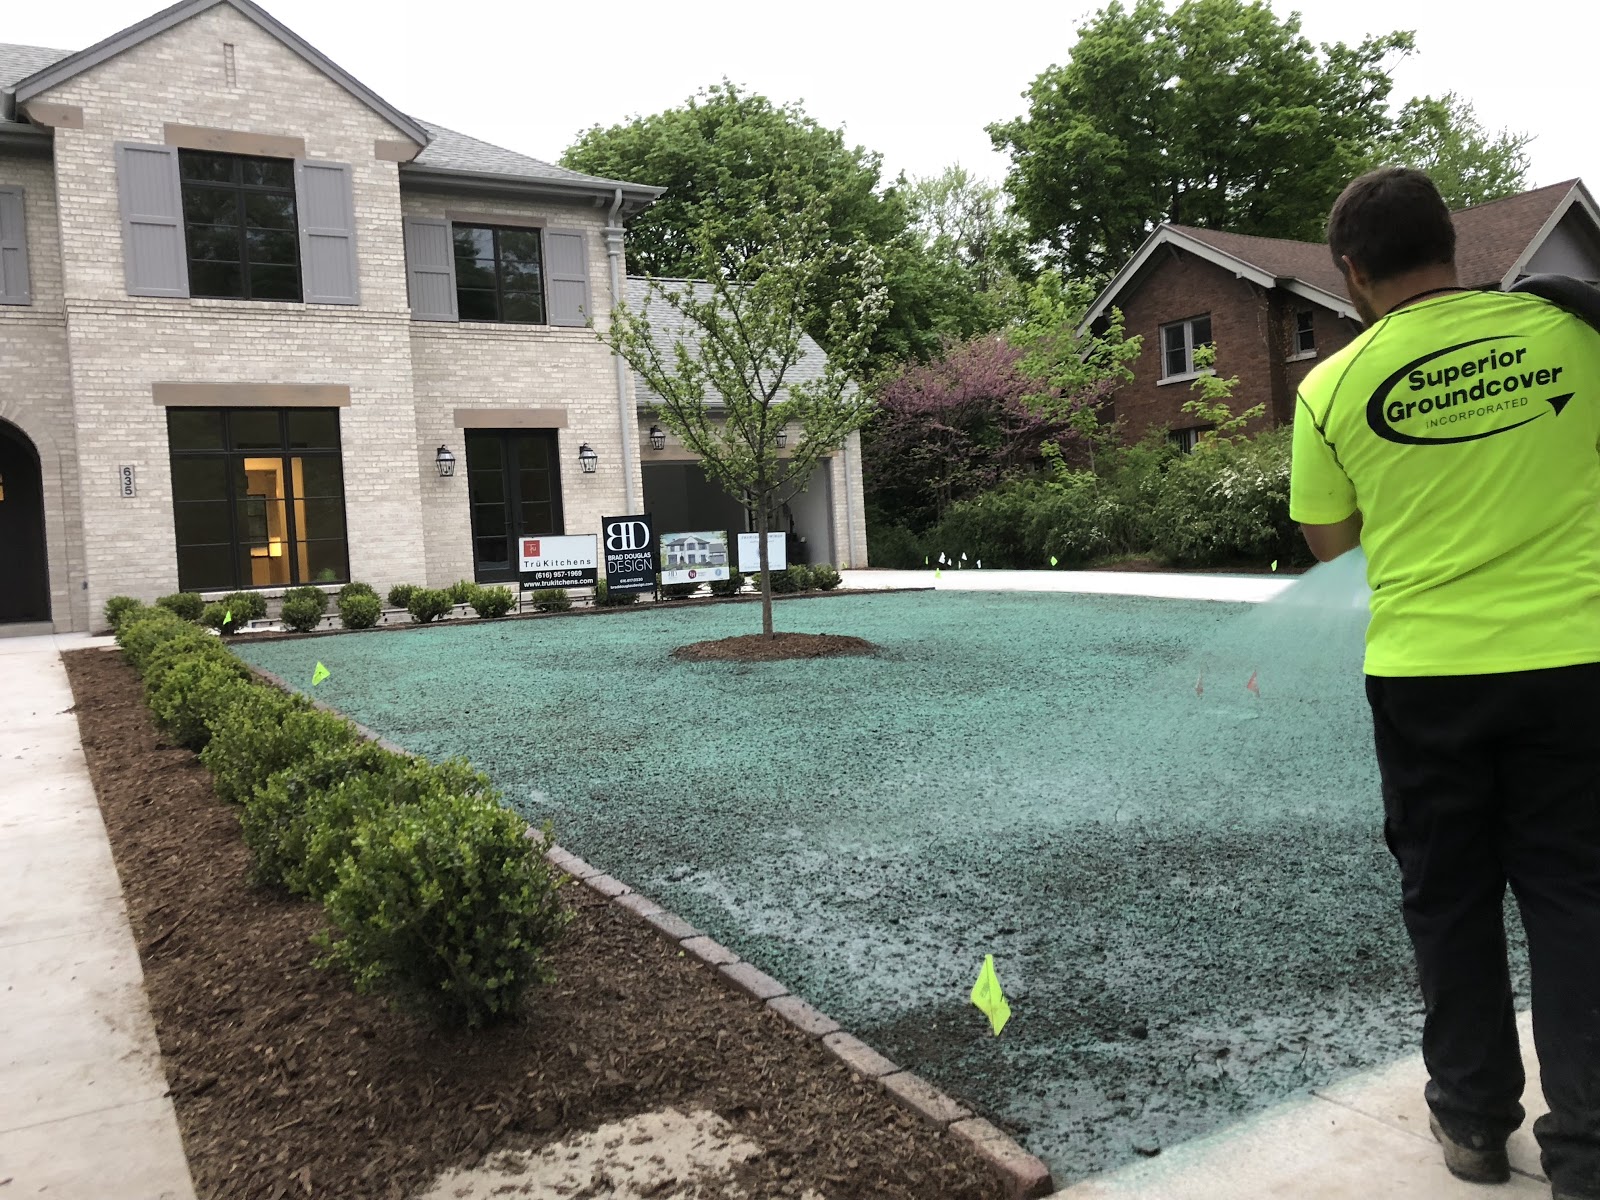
<point x="750" y="552"/>
<point x="694" y="557"/>
<point x="630" y="553"/>
<point x="559" y="561"/>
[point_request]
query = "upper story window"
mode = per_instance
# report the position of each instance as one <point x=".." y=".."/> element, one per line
<point x="240" y="228"/>
<point x="499" y="274"/>
<point x="1305" y="333"/>
<point x="1178" y="344"/>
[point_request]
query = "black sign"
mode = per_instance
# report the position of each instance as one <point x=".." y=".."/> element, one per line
<point x="630" y="552"/>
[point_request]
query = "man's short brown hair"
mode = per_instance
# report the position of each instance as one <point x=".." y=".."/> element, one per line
<point x="1391" y="221"/>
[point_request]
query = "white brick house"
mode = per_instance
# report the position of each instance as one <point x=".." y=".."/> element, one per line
<point x="245" y="303"/>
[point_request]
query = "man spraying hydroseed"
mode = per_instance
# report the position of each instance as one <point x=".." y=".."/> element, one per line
<point x="1457" y="440"/>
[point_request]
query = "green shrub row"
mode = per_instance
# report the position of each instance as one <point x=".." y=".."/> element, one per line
<point x="435" y="893"/>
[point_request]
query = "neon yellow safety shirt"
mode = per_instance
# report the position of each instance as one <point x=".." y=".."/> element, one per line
<point x="1466" y="430"/>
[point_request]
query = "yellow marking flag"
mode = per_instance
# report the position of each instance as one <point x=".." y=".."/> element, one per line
<point x="986" y="994"/>
<point x="1052" y="560"/>
<point x="319" y="674"/>
<point x="1274" y="564"/>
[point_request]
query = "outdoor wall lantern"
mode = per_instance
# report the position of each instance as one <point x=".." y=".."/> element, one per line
<point x="658" y="438"/>
<point x="587" y="458"/>
<point x="783" y="438"/>
<point x="445" y="462"/>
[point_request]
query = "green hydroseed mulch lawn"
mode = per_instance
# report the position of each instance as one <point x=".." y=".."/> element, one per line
<point x="1183" y="882"/>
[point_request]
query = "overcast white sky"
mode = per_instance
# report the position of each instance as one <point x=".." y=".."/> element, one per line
<point x="916" y="81"/>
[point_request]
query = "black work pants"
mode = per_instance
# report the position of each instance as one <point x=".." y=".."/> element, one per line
<point x="1490" y="779"/>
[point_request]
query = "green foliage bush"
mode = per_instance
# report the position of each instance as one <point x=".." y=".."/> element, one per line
<point x="790" y="580"/>
<point x="265" y="733"/>
<point x="311" y="595"/>
<point x="895" y="547"/>
<point x="196" y="694"/>
<point x="446" y="906"/>
<point x="187" y="605"/>
<point x="216" y="616"/>
<point x="120" y="607"/>
<point x="400" y="595"/>
<point x="356" y="588"/>
<point x="143" y="632"/>
<point x="604" y="597"/>
<point x="677" y="591"/>
<point x="246" y="606"/>
<point x="825" y="578"/>
<point x="1229" y="502"/>
<point x="274" y="817"/>
<point x="360" y="610"/>
<point x="551" y="600"/>
<point x="492" y="601"/>
<point x="428" y="604"/>
<point x="462" y="591"/>
<point x="301" y="613"/>
<point x="731" y="586"/>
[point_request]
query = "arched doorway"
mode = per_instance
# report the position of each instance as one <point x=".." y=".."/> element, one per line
<point x="24" y="571"/>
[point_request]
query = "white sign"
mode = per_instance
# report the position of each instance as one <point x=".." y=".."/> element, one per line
<point x="560" y="560"/>
<point x="694" y="557"/>
<point x="750" y="552"/>
<point x="125" y="482"/>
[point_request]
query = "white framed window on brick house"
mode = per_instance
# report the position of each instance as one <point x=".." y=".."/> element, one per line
<point x="1305" y="335"/>
<point x="501" y="274"/>
<point x="1179" y="340"/>
<point x="257" y="497"/>
<point x="199" y="223"/>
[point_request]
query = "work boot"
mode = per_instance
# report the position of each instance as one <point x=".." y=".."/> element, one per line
<point x="1486" y="1163"/>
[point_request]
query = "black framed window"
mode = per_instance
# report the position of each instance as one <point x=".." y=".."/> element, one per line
<point x="240" y="226"/>
<point x="514" y="484"/>
<point x="1305" y="332"/>
<point x="257" y="497"/>
<point x="1179" y="341"/>
<point x="499" y="274"/>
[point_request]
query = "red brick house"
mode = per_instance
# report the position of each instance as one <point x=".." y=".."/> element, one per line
<point x="1272" y="307"/>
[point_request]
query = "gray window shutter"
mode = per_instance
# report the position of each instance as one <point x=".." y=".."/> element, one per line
<point x="430" y="269"/>
<point x="327" y="212"/>
<point x="152" y="220"/>
<point x="566" y="269"/>
<point x="14" y="286"/>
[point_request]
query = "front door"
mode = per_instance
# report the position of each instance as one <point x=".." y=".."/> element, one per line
<point x="514" y="481"/>
<point x="24" y="573"/>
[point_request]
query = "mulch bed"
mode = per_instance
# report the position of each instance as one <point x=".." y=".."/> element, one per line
<point x="287" y="1084"/>
<point x="758" y="647"/>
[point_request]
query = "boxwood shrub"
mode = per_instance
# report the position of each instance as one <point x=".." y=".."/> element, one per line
<point x="360" y="610"/>
<point x="428" y="604"/>
<point x="400" y="595"/>
<point x="492" y="601"/>
<point x="731" y="586"/>
<point x="825" y="577"/>
<point x="187" y="605"/>
<point x="120" y="607"/>
<point x="246" y="606"/>
<point x="551" y="600"/>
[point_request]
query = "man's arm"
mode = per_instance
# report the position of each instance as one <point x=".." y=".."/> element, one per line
<point x="1328" y="542"/>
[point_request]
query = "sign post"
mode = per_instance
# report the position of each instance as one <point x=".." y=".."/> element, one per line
<point x="558" y="561"/>
<point x="630" y="544"/>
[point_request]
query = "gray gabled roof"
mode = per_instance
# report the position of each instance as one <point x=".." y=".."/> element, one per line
<point x="450" y="155"/>
<point x="669" y="327"/>
<point x="17" y="63"/>
<point x="59" y="72"/>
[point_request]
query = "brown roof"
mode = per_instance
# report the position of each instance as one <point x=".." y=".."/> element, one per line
<point x="1490" y="238"/>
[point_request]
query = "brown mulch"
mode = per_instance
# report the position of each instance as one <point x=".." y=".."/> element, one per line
<point x="287" y="1084"/>
<point x="758" y="647"/>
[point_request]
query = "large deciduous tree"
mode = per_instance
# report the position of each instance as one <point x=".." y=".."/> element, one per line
<point x="727" y="378"/>
<point x="726" y="157"/>
<point x="1470" y="164"/>
<point x="1214" y="114"/>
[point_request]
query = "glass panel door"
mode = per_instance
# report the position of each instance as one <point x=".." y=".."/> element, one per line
<point x="514" y="489"/>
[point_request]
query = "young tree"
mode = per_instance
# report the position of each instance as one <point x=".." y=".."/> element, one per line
<point x="1216" y="114"/>
<point x="1469" y="164"/>
<point x="726" y="376"/>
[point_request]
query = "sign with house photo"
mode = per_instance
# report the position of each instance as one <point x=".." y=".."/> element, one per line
<point x="698" y="557"/>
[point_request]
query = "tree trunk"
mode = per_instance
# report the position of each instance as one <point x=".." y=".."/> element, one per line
<point x="766" y="572"/>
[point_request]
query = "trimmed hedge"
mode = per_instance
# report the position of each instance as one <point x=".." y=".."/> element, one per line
<point x="604" y="597"/>
<point x="187" y="605"/>
<point x="492" y="601"/>
<point x="825" y="577"/>
<point x="461" y="591"/>
<point x="360" y="610"/>
<point x="400" y="595"/>
<point x="356" y="588"/>
<point x="246" y="606"/>
<point x="428" y="604"/>
<point x="302" y="613"/>
<point x="119" y="608"/>
<point x="731" y="586"/>
<point x="551" y="600"/>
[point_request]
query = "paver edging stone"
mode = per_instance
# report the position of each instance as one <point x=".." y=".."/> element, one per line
<point x="1026" y="1176"/>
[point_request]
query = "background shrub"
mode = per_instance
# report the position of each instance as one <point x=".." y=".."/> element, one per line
<point x="1229" y="503"/>
<point x="246" y="606"/>
<point x="896" y="547"/>
<point x="447" y="907"/>
<point x="551" y="600"/>
<point x="731" y="586"/>
<point x="462" y="591"/>
<point x="604" y="597"/>
<point x="400" y="595"/>
<point x="275" y="815"/>
<point x="492" y="601"/>
<point x="677" y="591"/>
<point x="790" y="580"/>
<point x="312" y="595"/>
<point x="824" y="577"/>
<point x="360" y="610"/>
<point x="187" y="605"/>
<point x="265" y="733"/>
<point x="356" y="588"/>
<point x="302" y="613"/>
<point x="119" y="607"/>
<point x="428" y="604"/>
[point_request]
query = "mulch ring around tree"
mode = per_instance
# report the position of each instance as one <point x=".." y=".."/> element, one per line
<point x="288" y="1084"/>
<point x="758" y="647"/>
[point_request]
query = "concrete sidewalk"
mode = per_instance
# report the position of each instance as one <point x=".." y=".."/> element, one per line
<point x="84" y="1111"/>
<point x="1165" y="585"/>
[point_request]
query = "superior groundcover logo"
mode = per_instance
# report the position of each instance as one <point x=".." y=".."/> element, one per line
<point x="1465" y="392"/>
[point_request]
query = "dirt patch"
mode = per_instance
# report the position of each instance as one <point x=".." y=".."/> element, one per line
<point x="757" y="647"/>
<point x="287" y="1084"/>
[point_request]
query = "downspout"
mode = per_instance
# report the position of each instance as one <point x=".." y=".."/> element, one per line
<point x="627" y="414"/>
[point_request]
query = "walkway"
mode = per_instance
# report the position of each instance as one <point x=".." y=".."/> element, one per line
<point x="1245" y="588"/>
<point x="84" y="1112"/>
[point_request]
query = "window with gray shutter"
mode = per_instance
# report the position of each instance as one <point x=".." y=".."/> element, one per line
<point x="567" y="272"/>
<point x="327" y="232"/>
<point x="152" y="220"/>
<point x="14" y="286"/>
<point x="430" y="269"/>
